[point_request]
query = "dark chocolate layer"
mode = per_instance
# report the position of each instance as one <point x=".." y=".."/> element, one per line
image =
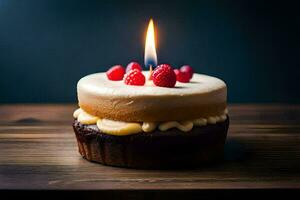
<point x="158" y="149"/>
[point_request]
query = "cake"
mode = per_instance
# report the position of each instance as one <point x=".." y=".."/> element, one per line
<point x="148" y="126"/>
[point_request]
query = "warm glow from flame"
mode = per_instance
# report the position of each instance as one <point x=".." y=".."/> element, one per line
<point x="150" y="51"/>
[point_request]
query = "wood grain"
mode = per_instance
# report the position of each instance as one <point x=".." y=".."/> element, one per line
<point x="38" y="151"/>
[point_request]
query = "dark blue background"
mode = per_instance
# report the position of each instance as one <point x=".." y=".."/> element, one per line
<point x="47" y="45"/>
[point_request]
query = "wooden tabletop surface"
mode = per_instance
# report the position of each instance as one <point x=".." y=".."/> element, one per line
<point x="38" y="151"/>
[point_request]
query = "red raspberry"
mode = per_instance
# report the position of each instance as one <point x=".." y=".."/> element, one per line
<point x="164" y="76"/>
<point x="188" y="69"/>
<point x="133" y="65"/>
<point x="176" y="71"/>
<point x="183" y="77"/>
<point x="115" y="73"/>
<point x="134" y="77"/>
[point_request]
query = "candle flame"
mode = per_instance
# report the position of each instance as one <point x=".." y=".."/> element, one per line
<point x="150" y="50"/>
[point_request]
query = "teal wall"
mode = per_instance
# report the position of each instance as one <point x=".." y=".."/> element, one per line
<point x="47" y="45"/>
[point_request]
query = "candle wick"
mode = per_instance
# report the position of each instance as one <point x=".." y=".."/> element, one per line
<point x="150" y="72"/>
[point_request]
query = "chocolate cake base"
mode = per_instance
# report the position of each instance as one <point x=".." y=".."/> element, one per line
<point x="155" y="150"/>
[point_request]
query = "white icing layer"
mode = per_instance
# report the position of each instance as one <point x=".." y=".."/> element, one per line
<point x="98" y="84"/>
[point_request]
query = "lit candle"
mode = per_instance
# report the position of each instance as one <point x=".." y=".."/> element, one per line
<point x="150" y="51"/>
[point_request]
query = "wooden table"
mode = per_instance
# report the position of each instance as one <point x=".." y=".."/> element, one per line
<point x="38" y="151"/>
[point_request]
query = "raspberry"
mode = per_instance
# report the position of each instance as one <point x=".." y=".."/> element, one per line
<point x="133" y="65"/>
<point x="164" y="76"/>
<point x="183" y="77"/>
<point x="176" y="71"/>
<point x="115" y="73"/>
<point x="134" y="77"/>
<point x="188" y="69"/>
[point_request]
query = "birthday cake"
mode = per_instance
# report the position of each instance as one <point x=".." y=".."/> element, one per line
<point x="174" y="118"/>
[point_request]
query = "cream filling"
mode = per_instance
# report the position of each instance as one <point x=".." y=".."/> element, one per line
<point x="126" y="128"/>
<point x="118" y="128"/>
<point x="183" y="126"/>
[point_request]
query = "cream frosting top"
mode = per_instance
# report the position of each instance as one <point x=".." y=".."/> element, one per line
<point x="98" y="84"/>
